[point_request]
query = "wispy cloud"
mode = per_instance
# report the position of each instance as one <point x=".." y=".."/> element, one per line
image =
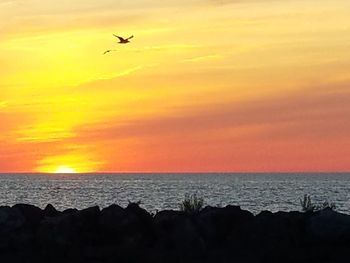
<point x="128" y="71"/>
<point x="45" y="133"/>
<point x="213" y="133"/>
<point x="165" y="47"/>
<point x="311" y="113"/>
<point x="203" y="58"/>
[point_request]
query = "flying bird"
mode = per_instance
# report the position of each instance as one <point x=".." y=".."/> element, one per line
<point x="109" y="50"/>
<point x="123" y="40"/>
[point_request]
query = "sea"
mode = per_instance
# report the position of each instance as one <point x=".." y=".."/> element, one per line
<point x="254" y="192"/>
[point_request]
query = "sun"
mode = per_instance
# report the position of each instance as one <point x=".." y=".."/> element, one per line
<point x="65" y="170"/>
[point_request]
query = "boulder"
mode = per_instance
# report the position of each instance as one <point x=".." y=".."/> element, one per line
<point x="141" y="213"/>
<point x="328" y="226"/>
<point x="87" y="218"/>
<point x="10" y="219"/>
<point x="112" y="218"/>
<point x="139" y="226"/>
<point x="31" y="213"/>
<point x="50" y="211"/>
<point x="274" y="237"/>
<point x="57" y="231"/>
<point x="71" y="227"/>
<point x="70" y="211"/>
<point x="12" y="229"/>
<point x="216" y="224"/>
<point x="177" y="232"/>
<point x="121" y="226"/>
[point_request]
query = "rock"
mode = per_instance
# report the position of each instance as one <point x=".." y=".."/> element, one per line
<point x="141" y="218"/>
<point x="141" y="213"/>
<point x="328" y="226"/>
<point x="12" y="229"/>
<point x="274" y="237"/>
<point x="115" y="234"/>
<point x="88" y="217"/>
<point x="216" y="224"/>
<point x="125" y="222"/>
<point x="120" y="227"/>
<point x="10" y="219"/>
<point x="177" y="232"/>
<point x="69" y="228"/>
<point x="112" y="218"/>
<point x="31" y="213"/>
<point x="58" y="231"/>
<point x="70" y="211"/>
<point x="139" y="226"/>
<point x="50" y="211"/>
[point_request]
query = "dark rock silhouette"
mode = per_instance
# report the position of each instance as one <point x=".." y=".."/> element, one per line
<point x="131" y="234"/>
<point x="50" y="211"/>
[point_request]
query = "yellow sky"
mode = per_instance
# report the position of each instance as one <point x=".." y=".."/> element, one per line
<point x="256" y="85"/>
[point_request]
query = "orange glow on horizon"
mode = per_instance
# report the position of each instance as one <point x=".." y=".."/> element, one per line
<point x="69" y="163"/>
<point x="65" y="170"/>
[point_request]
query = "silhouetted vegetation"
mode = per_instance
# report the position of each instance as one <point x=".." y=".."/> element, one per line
<point x="192" y="204"/>
<point x="308" y="206"/>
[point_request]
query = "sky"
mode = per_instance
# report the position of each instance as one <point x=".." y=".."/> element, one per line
<point x="204" y="86"/>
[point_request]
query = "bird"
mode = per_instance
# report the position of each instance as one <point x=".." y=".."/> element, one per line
<point x="109" y="50"/>
<point x="123" y="40"/>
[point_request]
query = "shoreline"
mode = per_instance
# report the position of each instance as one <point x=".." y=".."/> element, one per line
<point x="132" y="234"/>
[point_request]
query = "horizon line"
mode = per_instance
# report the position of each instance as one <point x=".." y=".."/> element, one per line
<point x="185" y="172"/>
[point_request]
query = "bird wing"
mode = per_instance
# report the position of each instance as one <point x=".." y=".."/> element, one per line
<point x="120" y="38"/>
<point x="130" y="37"/>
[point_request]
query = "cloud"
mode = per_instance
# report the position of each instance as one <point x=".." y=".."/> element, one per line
<point x="203" y="58"/>
<point x="305" y="130"/>
<point x="10" y="121"/>
<point x="25" y="156"/>
<point x="128" y="71"/>
<point x="311" y="114"/>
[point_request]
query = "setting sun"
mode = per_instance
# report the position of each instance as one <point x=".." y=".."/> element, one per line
<point x="65" y="170"/>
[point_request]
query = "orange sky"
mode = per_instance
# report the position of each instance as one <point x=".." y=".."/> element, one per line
<point x="216" y="85"/>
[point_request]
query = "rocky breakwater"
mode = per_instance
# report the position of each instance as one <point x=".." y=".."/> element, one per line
<point x="131" y="234"/>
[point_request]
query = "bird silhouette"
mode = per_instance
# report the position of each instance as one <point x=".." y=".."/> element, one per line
<point x="109" y="50"/>
<point x="123" y="40"/>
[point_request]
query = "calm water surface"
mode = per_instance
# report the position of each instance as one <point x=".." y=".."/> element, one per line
<point x="254" y="192"/>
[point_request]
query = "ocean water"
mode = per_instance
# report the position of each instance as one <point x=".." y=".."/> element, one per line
<point x="254" y="192"/>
